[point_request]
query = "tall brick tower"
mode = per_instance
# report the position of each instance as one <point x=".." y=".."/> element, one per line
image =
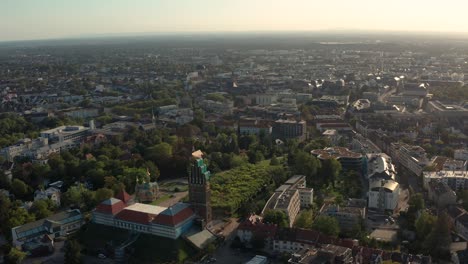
<point x="199" y="187"/>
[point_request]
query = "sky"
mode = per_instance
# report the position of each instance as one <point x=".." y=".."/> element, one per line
<point x="44" y="19"/>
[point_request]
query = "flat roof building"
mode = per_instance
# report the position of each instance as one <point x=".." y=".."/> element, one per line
<point x="349" y="160"/>
<point x="170" y="222"/>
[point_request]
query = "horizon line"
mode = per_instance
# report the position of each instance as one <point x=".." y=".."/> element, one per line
<point x="460" y="34"/>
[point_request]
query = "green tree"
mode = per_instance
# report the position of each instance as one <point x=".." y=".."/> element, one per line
<point x="73" y="196"/>
<point x="73" y="252"/>
<point x="277" y="217"/>
<point x="103" y="194"/>
<point x="464" y="198"/>
<point x="16" y="256"/>
<point x="5" y="205"/>
<point x="19" y="216"/>
<point x="416" y="203"/>
<point x="274" y="161"/>
<point x="437" y="243"/>
<point x="133" y="175"/>
<point x="448" y="152"/>
<point x="153" y="170"/>
<point x="211" y="248"/>
<point x="305" y="219"/>
<point x="215" y="97"/>
<point x="424" y="224"/>
<point x="330" y="170"/>
<point x="40" y="209"/>
<point x="255" y="156"/>
<point x="4" y="181"/>
<point x="159" y="153"/>
<point x="110" y="182"/>
<point x="327" y="225"/>
<point x="19" y="188"/>
<point x="306" y="164"/>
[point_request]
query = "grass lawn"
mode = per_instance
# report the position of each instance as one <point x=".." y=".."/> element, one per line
<point x="161" y="199"/>
<point x="174" y="186"/>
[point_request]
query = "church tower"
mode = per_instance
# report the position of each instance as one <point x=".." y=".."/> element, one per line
<point x="199" y="187"/>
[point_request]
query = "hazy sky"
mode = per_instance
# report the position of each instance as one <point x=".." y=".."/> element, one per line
<point x="36" y="19"/>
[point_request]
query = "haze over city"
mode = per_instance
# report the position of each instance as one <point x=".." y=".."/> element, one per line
<point x="31" y="19"/>
<point x="242" y="131"/>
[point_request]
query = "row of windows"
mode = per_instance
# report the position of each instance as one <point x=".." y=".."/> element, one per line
<point x="132" y="226"/>
<point x="31" y="231"/>
<point x="71" y="219"/>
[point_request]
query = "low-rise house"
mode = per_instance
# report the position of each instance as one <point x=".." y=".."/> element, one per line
<point x="461" y="225"/>
<point x="50" y="193"/>
<point x="254" y="127"/>
<point x="461" y="154"/>
<point x="348" y="217"/>
<point x="56" y="225"/>
<point x="459" y="220"/>
<point x="253" y="229"/>
<point x="289" y="129"/>
<point x="441" y="194"/>
<point x="323" y="254"/>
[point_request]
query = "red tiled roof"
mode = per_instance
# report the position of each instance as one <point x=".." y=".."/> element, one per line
<point x="123" y="195"/>
<point x="349" y="243"/>
<point x="324" y="239"/>
<point x="308" y="236"/>
<point x="110" y="206"/>
<point x="135" y="216"/>
<point x="173" y="220"/>
<point x="259" y="229"/>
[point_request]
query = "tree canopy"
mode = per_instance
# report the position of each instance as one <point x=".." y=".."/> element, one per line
<point x="277" y="217"/>
<point x="327" y="225"/>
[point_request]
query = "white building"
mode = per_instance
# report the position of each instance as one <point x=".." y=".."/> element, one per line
<point x="383" y="194"/>
<point x="461" y="154"/>
<point x="170" y="222"/>
<point x="332" y="135"/>
<point x="254" y="127"/>
<point x="457" y="180"/>
<point x="265" y="99"/>
<point x="50" y="193"/>
<point x="412" y="158"/>
<point x="306" y="197"/>
<point x="50" y="141"/>
<point x="224" y="108"/>
<point x="380" y="166"/>
<point x="57" y="225"/>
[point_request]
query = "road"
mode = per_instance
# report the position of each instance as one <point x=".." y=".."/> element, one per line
<point x="57" y="257"/>
<point x="228" y="255"/>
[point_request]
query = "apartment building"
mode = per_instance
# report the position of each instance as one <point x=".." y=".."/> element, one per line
<point x="413" y="158"/>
